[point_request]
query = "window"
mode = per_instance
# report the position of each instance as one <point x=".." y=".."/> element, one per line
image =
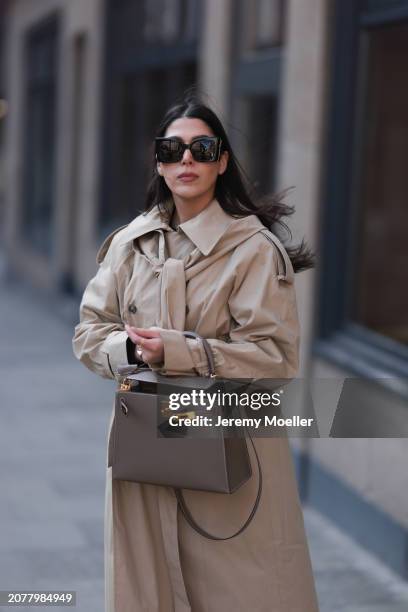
<point x="168" y="21"/>
<point x="257" y="53"/>
<point x="261" y="24"/>
<point x="150" y="60"/>
<point x="363" y="315"/>
<point x="79" y="50"/>
<point x="380" y="291"/>
<point x="39" y="134"/>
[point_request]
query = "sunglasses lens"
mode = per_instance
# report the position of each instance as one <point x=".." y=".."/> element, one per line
<point x="204" y="149"/>
<point x="169" y="151"/>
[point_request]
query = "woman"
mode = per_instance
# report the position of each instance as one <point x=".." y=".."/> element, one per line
<point x="202" y="259"/>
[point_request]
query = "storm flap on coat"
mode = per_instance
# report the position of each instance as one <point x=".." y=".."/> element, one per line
<point x="236" y="288"/>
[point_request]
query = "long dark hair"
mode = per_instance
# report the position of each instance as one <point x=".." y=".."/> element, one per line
<point x="233" y="188"/>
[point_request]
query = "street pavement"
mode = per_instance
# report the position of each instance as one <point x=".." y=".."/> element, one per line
<point x="53" y="430"/>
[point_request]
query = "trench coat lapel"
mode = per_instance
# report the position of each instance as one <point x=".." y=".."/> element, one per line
<point x="208" y="230"/>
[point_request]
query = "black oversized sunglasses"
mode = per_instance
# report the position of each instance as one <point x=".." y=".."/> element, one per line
<point x="203" y="149"/>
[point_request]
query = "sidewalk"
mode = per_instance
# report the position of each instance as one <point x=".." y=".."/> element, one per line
<point x="53" y="432"/>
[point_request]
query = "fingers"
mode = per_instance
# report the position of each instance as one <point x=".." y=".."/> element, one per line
<point x="132" y="335"/>
<point x="136" y="339"/>
<point x="151" y="332"/>
<point x="151" y="342"/>
<point x="147" y="341"/>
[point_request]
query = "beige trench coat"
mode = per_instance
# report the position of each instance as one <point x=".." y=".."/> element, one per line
<point x="236" y="288"/>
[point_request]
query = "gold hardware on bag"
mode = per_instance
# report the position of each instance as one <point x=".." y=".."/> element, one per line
<point x="125" y="385"/>
<point x="166" y="411"/>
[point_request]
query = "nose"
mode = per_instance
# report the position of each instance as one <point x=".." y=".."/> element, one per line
<point x="187" y="157"/>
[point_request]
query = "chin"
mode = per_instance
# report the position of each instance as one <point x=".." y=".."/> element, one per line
<point x="189" y="193"/>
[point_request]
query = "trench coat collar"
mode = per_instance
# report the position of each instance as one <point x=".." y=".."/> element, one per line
<point x="204" y="230"/>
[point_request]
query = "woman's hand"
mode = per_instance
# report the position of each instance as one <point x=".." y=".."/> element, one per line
<point x="149" y="340"/>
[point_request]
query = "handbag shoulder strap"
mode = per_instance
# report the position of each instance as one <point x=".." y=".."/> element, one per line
<point x="179" y="494"/>
<point x="189" y="518"/>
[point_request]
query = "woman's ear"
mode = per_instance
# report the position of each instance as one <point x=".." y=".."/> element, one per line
<point x="223" y="162"/>
<point x="159" y="170"/>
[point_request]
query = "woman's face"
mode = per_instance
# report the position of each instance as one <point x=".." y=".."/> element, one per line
<point x="204" y="175"/>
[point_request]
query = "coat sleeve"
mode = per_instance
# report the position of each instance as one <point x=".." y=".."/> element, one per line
<point x="100" y="340"/>
<point x="264" y="336"/>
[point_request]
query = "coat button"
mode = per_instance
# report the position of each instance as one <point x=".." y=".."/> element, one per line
<point x="132" y="308"/>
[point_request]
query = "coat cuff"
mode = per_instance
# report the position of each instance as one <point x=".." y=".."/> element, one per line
<point x="183" y="355"/>
<point x="115" y="349"/>
<point x="177" y="356"/>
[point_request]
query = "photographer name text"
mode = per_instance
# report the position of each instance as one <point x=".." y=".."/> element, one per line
<point x="255" y="422"/>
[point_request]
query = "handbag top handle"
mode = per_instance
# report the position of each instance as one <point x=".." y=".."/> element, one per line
<point x="207" y="349"/>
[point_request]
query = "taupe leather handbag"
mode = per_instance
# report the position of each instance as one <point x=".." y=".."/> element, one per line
<point x="143" y="447"/>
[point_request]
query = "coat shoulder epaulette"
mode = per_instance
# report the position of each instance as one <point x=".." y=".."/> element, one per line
<point x="100" y="256"/>
<point x="285" y="271"/>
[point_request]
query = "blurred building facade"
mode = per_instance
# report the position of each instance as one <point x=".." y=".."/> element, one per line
<point x="3" y="110"/>
<point x="312" y="95"/>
